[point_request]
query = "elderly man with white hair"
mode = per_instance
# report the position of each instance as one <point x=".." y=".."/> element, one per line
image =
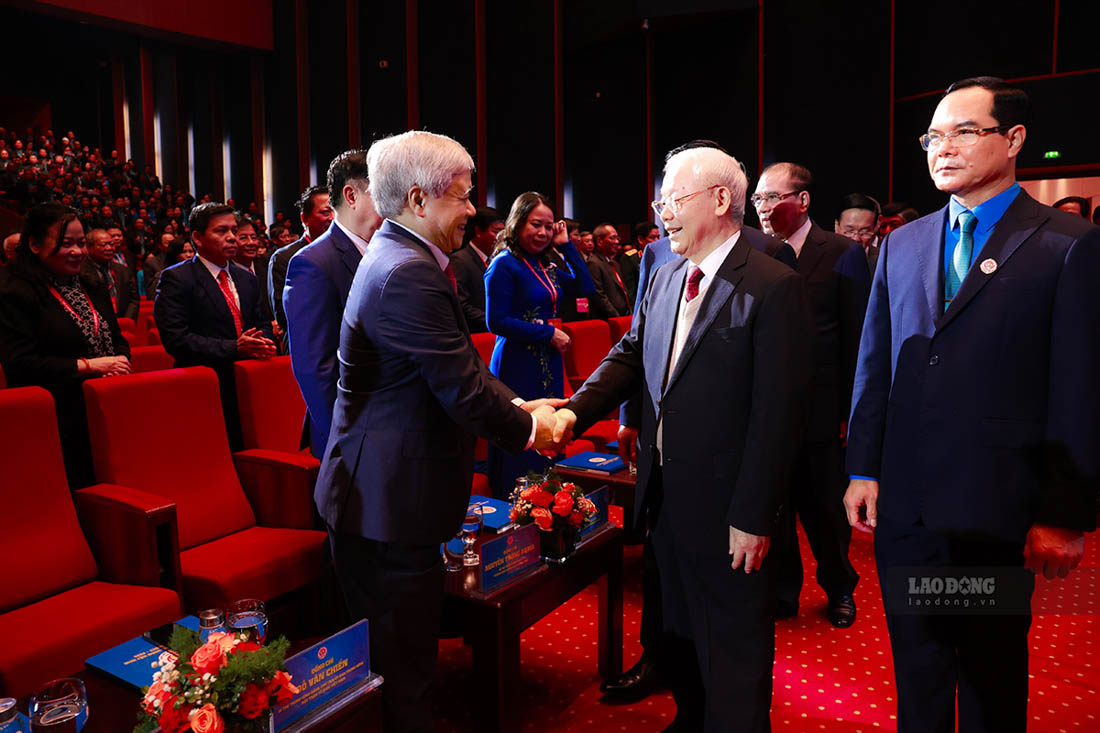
<point x="413" y="394"/>
<point x="718" y="351"/>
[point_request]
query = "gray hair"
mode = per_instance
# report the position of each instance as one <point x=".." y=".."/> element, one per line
<point x="713" y="167"/>
<point x="416" y="158"/>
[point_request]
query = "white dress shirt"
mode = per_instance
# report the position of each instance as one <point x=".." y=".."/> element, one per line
<point x="359" y="242"/>
<point x="214" y="270"/>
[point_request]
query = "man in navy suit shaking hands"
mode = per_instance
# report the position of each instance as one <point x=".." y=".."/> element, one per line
<point x="973" y="438"/>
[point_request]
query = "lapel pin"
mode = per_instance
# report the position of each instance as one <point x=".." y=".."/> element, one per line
<point x="989" y="266"/>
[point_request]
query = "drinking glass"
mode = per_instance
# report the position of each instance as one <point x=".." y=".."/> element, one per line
<point x="471" y="528"/>
<point x="453" y="554"/>
<point x="210" y="621"/>
<point x="59" y="707"/>
<point x="249" y="617"/>
<point x="521" y="485"/>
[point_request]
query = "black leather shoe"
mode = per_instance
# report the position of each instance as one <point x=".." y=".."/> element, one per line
<point x="637" y="683"/>
<point x="842" y="611"/>
<point x="785" y="609"/>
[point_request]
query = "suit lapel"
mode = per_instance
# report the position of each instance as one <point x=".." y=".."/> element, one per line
<point x="212" y="289"/>
<point x="812" y="251"/>
<point x="928" y="246"/>
<point x="1019" y="222"/>
<point x="660" y="325"/>
<point x="397" y="231"/>
<point x="714" y="300"/>
<point x="349" y="253"/>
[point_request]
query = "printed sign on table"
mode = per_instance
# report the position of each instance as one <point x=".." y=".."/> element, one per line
<point x="325" y="670"/>
<point x="507" y="556"/>
<point x="600" y="498"/>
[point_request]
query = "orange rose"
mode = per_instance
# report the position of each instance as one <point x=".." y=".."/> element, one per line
<point x="253" y="702"/>
<point x="207" y="720"/>
<point x="587" y="506"/>
<point x="541" y="498"/>
<point x="224" y="640"/>
<point x="563" y="503"/>
<point x="155" y="698"/>
<point x="543" y="518"/>
<point x="281" y="688"/>
<point x="208" y="658"/>
<point x="173" y="719"/>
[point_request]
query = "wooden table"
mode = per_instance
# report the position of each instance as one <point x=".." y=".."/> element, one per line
<point x="621" y="485"/>
<point x="494" y="624"/>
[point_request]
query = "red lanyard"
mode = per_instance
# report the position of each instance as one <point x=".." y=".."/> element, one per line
<point x="545" y="283"/>
<point x="65" y="304"/>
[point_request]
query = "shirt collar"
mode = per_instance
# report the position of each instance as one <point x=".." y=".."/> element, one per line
<point x="714" y="260"/>
<point x="441" y="258"/>
<point x="359" y="242"/>
<point x="798" y="238"/>
<point x="484" y="257"/>
<point x="211" y="267"/>
<point x="988" y="212"/>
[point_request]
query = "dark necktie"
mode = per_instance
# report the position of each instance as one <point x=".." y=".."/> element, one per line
<point x="695" y="276"/>
<point x="450" y="273"/>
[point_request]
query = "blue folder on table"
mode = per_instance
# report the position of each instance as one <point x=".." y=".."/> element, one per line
<point x="494" y="512"/>
<point x="592" y="462"/>
<point x="132" y="661"/>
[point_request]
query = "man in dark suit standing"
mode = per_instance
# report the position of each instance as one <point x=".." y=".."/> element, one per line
<point x="630" y="258"/>
<point x="838" y="281"/>
<point x="248" y="248"/>
<point x="316" y="212"/>
<point x="413" y="394"/>
<point x="610" y="299"/>
<point x="317" y="285"/>
<point x="470" y="264"/>
<point x="973" y="439"/>
<point x="100" y="267"/>
<point x="208" y="309"/>
<point x="718" y="351"/>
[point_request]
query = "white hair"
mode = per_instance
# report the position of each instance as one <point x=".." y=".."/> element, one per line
<point x="416" y="158"/>
<point x="712" y="167"/>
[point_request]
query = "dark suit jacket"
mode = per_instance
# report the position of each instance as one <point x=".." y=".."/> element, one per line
<point x="838" y="283"/>
<point x="470" y="274"/>
<point x="730" y="405"/>
<point x="630" y="261"/>
<point x="317" y="285"/>
<point x="982" y="421"/>
<point x="609" y="300"/>
<point x="413" y="394"/>
<point x="262" y="265"/>
<point x="195" y="323"/>
<point x="276" y="279"/>
<point x="127" y="299"/>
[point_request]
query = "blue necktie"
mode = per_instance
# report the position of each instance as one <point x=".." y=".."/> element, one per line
<point x="960" y="260"/>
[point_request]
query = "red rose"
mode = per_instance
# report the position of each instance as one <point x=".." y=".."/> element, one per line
<point x="541" y="498"/>
<point x="173" y="719"/>
<point x="281" y="688"/>
<point x="208" y="658"/>
<point x="576" y="519"/>
<point x="207" y="720"/>
<point x="253" y="701"/>
<point x="247" y="646"/>
<point x="543" y="518"/>
<point x="563" y="503"/>
<point x="156" y="697"/>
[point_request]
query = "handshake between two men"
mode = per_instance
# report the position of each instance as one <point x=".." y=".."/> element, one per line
<point x="553" y="426"/>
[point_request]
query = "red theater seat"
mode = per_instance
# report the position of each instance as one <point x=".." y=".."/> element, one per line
<point x="483" y="342"/>
<point x="63" y="599"/>
<point x="154" y="337"/>
<point x="235" y="541"/>
<point x="619" y="326"/>
<point x="150" y="359"/>
<point x="591" y="342"/>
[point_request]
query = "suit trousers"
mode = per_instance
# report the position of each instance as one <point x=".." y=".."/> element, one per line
<point x="817" y="496"/>
<point x="398" y="587"/>
<point x="719" y="640"/>
<point x="981" y="657"/>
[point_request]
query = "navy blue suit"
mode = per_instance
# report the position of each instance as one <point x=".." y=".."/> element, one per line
<point x="317" y="283"/>
<point x="395" y="480"/>
<point x="196" y="325"/>
<point x="979" y="422"/>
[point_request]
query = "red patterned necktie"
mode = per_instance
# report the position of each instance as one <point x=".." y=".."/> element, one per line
<point x="450" y="273"/>
<point x="695" y="276"/>
<point x="223" y="283"/>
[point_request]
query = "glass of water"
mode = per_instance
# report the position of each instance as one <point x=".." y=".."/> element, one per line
<point x="249" y="617"/>
<point x="59" y="707"/>
<point x="210" y="621"/>
<point x="471" y="528"/>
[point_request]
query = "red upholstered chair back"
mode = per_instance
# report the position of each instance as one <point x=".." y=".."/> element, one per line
<point x="150" y="359"/>
<point x="591" y="342"/>
<point x="188" y="462"/>
<point x="272" y="408"/>
<point x="3" y="382"/>
<point x="131" y="338"/>
<point x="127" y="324"/>
<point x="483" y="342"/>
<point x="619" y="326"/>
<point x="43" y="547"/>
<point x="154" y="336"/>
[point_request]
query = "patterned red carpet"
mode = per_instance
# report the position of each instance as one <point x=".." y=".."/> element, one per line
<point x="826" y="679"/>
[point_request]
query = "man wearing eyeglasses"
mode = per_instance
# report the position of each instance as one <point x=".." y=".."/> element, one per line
<point x="718" y="351"/>
<point x="974" y="438"/>
<point x="858" y="221"/>
<point x="838" y="282"/>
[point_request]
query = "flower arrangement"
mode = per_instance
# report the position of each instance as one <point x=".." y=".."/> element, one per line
<point x="227" y="685"/>
<point x="551" y="504"/>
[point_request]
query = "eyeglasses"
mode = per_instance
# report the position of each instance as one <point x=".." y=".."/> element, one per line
<point x="964" y="137"/>
<point x="677" y="204"/>
<point x="770" y="198"/>
<point x="852" y="233"/>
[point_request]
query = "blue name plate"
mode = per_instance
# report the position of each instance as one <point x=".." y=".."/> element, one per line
<point x="325" y="670"/>
<point x="507" y="556"/>
<point x="600" y="498"/>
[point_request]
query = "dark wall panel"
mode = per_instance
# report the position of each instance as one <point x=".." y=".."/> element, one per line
<point x="1078" y="22"/>
<point x="281" y="103"/>
<point x="448" y="76"/>
<point x="328" y="82"/>
<point x="382" y="54"/>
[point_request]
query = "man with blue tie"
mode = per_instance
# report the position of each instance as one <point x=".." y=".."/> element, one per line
<point x="973" y="438"/>
<point x="317" y="283"/>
